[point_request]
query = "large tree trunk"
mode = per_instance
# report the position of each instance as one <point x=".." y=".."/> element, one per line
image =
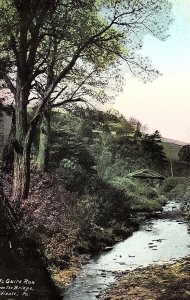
<point x="8" y="150"/>
<point x="22" y="145"/>
<point x="21" y="175"/>
<point x="44" y="143"/>
<point x="31" y="18"/>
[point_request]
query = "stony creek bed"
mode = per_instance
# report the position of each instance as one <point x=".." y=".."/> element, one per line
<point x="158" y="241"/>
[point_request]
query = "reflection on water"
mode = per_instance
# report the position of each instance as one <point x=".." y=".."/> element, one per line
<point x="157" y="241"/>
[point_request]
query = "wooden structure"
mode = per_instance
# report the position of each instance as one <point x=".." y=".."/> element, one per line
<point x="146" y="174"/>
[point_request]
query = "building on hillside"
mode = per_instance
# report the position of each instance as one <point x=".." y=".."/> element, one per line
<point x="148" y="176"/>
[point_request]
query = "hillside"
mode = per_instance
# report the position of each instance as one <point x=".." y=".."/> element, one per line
<point x="171" y="150"/>
<point x="172" y="147"/>
<point x="172" y="141"/>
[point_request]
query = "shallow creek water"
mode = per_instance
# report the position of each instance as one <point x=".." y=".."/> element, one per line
<point x="157" y="241"/>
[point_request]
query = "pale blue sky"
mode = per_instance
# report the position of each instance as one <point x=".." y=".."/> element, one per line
<point x="165" y="103"/>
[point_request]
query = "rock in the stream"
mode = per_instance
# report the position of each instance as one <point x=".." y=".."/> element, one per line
<point x="106" y="249"/>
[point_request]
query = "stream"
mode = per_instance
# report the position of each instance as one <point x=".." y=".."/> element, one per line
<point x="157" y="241"/>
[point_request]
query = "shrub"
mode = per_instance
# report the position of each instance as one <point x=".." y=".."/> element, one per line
<point x="171" y="182"/>
<point x="145" y="204"/>
<point x="112" y="203"/>
<point x="73" y="175"/>
<point x="141" y="196"/>
<point x="56" y="217"/>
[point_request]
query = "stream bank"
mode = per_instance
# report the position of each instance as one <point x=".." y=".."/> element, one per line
<point x="158" y="241"/>
<point x="99" y="241"/>
<point x="165" y="282"/>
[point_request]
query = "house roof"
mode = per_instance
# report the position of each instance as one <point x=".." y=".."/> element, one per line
<point x="146" y="174"/>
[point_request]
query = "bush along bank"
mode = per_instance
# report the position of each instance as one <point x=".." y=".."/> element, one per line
<point x="90" y="202"/>
<point x="69" y="228"/>
<point x="178" y="188"/>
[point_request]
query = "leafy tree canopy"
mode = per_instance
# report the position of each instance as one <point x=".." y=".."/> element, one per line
<point x="184" y="153"/>
<point x="44" y="43"/>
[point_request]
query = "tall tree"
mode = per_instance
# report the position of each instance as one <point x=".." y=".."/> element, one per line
<point x="154" y="151"/>
<point x="81" y="28"/>
<point x="184" y="153"/>
<point x="85" y="87"/>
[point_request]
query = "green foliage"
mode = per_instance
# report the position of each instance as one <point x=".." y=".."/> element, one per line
<point x="73" y="174"/>
<point x="171" y="151"/>
<point x="95" y="161"/>
<point x="184" y="153"/>
<point x="177" y="188"/>
<point x="171" y="182"/>
<point x="67" y="144"/>
<point x="57" y="217"/>
<point x="113" y="205"/>
<point x="142" y="196"/>
<point x="153" y="150"/>
<point x="115" y="169"/>
<point x="147" y="205"/>
<point x="104" y="161"/>
<point x="53" y="46"/>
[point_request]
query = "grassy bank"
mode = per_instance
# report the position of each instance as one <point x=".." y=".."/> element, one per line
<point x="166" y="282"/>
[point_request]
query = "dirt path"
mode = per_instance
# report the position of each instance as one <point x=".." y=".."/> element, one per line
<point x="166" y="282"/>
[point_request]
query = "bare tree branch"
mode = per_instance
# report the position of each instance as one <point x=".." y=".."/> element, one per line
<point x="62" y="103"/>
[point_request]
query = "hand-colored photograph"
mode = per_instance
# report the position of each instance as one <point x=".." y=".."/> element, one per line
<point x="94" y="150"/>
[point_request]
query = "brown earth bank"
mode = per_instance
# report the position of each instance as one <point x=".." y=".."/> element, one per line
<point x="96" y="243"/>
<point x="165" y="282"/>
